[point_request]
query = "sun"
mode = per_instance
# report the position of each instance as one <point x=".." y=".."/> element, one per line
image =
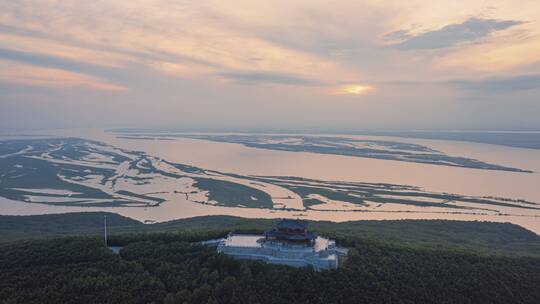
<point x="356" y="89"/>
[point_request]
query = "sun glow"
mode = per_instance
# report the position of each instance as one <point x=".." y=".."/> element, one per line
<point x="356" y="89"/>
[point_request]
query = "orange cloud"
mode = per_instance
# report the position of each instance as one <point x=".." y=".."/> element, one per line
<point x="14" y="72"/>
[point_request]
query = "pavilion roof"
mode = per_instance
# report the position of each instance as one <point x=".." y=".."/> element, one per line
<point x="292" y="223"/>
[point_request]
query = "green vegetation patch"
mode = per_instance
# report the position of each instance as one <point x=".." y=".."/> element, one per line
<point x="231" y="194"/>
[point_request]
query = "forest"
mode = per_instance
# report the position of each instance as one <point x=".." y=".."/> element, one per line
<point x="173" y="267"/>
<point x="466" y="236"/>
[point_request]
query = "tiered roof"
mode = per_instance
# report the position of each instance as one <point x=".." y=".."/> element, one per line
<point x="292" y="230"/>
<point x="292" y="223"/>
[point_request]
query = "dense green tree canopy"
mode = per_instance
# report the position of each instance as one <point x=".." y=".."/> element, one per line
<point x="169" y="268"/>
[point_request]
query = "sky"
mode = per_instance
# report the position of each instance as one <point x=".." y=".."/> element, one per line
<point x="246" y="65"/>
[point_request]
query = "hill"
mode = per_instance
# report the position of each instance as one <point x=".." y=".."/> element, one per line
<point x="479" y="237"/>
<point x="171" y="268"/>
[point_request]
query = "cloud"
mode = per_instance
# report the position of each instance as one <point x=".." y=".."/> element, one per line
<point x="102" y="54"/>
<point x="473" y="29"/>
<point x="268" y="78"/>
<point x="399" y="35"/>
<point x="30" y="75"/>
<point x="52" y="61"/>
<point x="507" y="84"/>
<point x="32" y="69"/>
<point x="177" y="39"/>
<point x="498" y="85"/>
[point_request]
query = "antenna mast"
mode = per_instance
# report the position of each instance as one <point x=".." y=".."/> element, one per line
<point x="105" y="228"/>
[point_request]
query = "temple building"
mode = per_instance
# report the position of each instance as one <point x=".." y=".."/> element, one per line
<point x="289" y="242"/>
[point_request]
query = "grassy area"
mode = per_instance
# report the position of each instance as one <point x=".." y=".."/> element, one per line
<point x="229" y="194"/>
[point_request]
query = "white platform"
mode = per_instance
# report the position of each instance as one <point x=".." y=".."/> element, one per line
<point x="321" y="254"/>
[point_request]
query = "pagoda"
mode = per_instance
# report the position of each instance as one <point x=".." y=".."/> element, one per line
<point x="290" y="230"/>
<point x="289" y="242"/>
